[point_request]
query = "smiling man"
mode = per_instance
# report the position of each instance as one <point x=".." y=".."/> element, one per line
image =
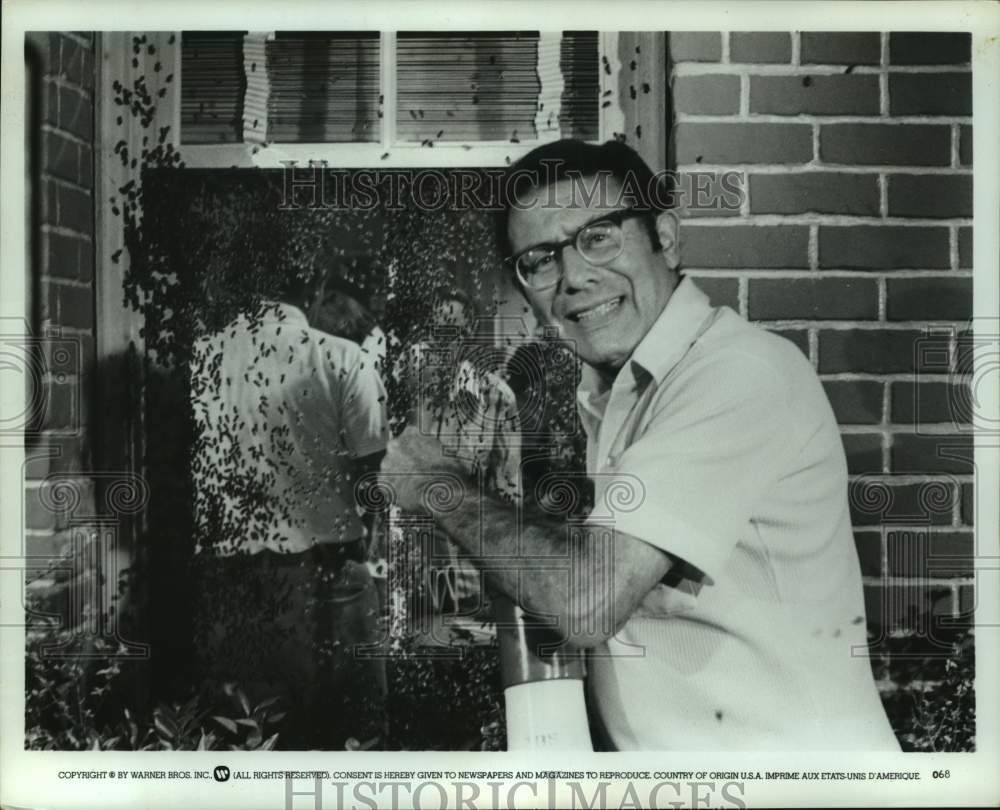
<point x="720" y="601"/>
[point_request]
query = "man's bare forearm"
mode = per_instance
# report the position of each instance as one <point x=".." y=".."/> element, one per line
<point x="533" y="559"/>
<point x="589" y="581"/>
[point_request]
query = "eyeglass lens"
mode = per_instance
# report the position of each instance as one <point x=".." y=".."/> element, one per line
<point x="598" y="243"/>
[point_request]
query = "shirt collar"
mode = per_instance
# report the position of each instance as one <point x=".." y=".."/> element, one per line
<point x="667" y="340"/>
<point x="280" y="312"/>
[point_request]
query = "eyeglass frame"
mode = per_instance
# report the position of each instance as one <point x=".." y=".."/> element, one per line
<point x="615" y="218"/>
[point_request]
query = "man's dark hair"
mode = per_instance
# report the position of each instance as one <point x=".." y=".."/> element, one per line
<point x="448" y="294"/>
<point x="344" y="315"/>
<point x="578" y="160"/>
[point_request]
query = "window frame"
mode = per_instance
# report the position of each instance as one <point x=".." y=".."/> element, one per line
<point x="390" y="152"/>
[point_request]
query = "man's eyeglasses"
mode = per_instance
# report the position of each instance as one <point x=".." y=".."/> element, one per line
<point x="599" y="242"/>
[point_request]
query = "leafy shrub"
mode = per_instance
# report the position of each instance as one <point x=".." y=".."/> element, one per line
<point x="928" y="690"/>
<point x="71" y="705"/>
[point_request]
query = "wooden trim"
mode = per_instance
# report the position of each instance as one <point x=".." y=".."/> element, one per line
<point x="257" y="90"/>
<point x="644" y="110"/>
<point x="387" y="62"/>
<point x="355" y="155"/>
<point x="641" y="120"/>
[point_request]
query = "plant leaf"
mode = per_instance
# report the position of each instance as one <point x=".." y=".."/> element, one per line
<point x="226" y="723"/>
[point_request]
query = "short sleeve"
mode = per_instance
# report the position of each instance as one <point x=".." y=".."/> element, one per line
<point x="363" y="408"/>
<point x="717" y="439"/>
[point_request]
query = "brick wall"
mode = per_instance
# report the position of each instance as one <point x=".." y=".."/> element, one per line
<point x="57" y="489"/>
<point x="854" y="241"/>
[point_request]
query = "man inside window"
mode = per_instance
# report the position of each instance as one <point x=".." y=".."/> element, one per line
<point x="726" y="612"/>
<point x="287" y="418"/>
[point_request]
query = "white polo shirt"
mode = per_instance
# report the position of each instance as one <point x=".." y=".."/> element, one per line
<point x="741" y="475"/>
<point x="280" y="411"/>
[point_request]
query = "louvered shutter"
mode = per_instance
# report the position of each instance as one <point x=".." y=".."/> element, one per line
<point x="466" y="86"/>
<point x="212" y="86"/>
<point x="580" y="65"/>
<point x="324" y="87"/>
<point x="493" y="86"/>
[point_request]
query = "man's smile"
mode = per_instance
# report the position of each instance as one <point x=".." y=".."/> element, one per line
<point x="594" y="312"/>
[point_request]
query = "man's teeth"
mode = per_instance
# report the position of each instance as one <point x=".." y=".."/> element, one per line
<point x="603" y="309"/>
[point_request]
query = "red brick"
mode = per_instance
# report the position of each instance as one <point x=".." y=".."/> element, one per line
<point x="694" y="46"/>
<point x="67" y="356"/>
<point x="965" y="247"/>
<point x="743" y="246"/>
<point x="62" y="157"/>
<point x="930" y="93"/>
<point x="707" y="95"/>
<point x="883" y="247"/>
<point x="933" y="195"/>
<point x="710" y="194"/>
<point x="62" y="407"/>
<point x="760" y="46"/>
<point x="800" y="337"/>
<point x="929" y="455"/>
<point x="929" y="48"/>
<point x="722" y="292"/>
<point x="814" y="95"/>
<point x="886" y="144"/>
<point x="49" y="112"/>
<point x="71" y="306"/>
<point x="965" y="144"/>
<point x="743" y="143"/>
<point x="76" y="210"/>
<point x="874" y="503"/>
<point x="879" y="351"/>
<point x="966" y="600"/>
<point x="54" y="454"/>
<point x="929" y="299"/>
<point x="49" y="203"/>
<point x="36" y="515"/>
<point x="69" y="257"/>
<point x="969" y="504"/>
<point x="840" y="48"/>
<point x="76" y="63"/>
<point x="814" y="192"/>
<point x="930" y="403"/>
<point x="825" y="299"/>
<point x="45" y="512"/>
<point x="966" y="346"/>
<point x="869" y="548"/>
<point x="863" y="451"/>
<point x="855" y="402"/>
<point x="912" y="608"/>
<point x="76" y="113"/>
<point x="51" y="53"/>
<point x="922" y="554"/>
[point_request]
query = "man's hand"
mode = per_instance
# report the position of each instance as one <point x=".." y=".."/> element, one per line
<point x="420" y="474"/>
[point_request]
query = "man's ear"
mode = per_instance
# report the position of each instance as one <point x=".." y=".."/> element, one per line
<point x="668" y="231"/>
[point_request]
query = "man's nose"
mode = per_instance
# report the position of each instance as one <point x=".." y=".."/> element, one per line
<point x="577" y="271"/>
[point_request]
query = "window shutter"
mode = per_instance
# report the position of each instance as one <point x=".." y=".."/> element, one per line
<point x="212" y="86"/>
<point x="579" y="115"/>
<point x="496" y="86"/>
<point x="324" y="87"/>
<point x="466" y="86"/>
<point x="258" y="88"/>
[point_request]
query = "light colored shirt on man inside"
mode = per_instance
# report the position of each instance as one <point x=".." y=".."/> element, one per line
<point x="282" y="410"/>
